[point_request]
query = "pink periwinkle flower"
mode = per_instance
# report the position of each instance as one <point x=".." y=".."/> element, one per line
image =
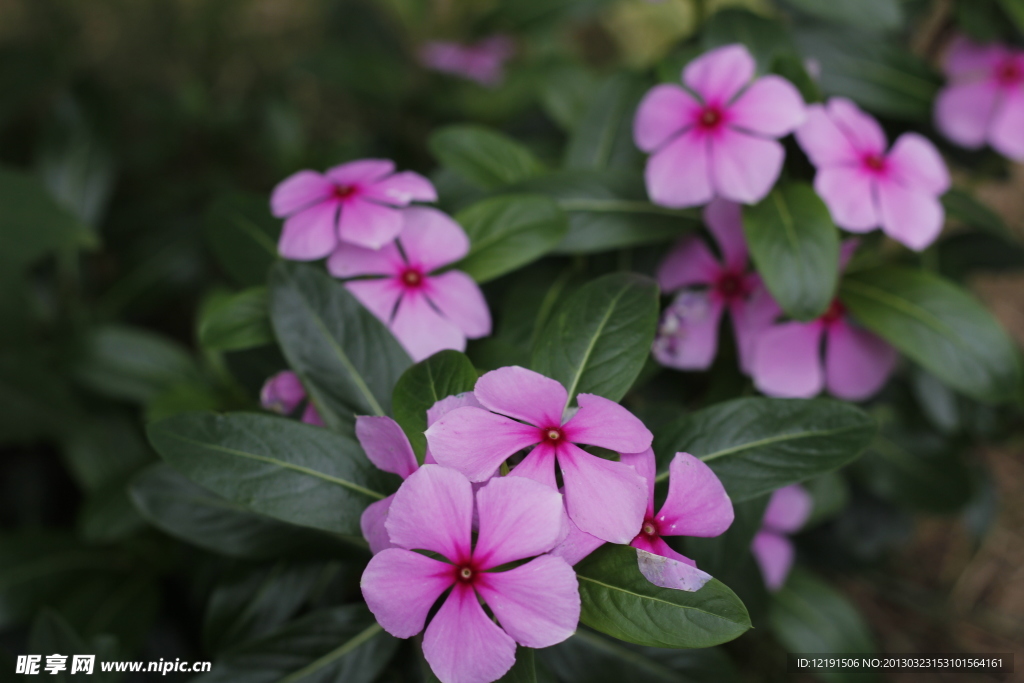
<point x="387" y="447"/>
<point x="283" y="393"/>
<point x="483" y="61"/>
<point x="787" y="512"/>
<point x="787" y="359"/>
<point x="984" y="99"/>
<point x="426" y="312"/>
<point x="864" y="185"/>
<point x="524" y="409"/>
<point x="717" y="136"/>
<point x="688" y="333"/>
<point x="537" y="604"/>
<point x="356" y="203"/>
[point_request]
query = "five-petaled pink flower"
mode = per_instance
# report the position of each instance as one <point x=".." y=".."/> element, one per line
<point x="787" y="356"/>
<point x="717" y="136"/>
<point x="425" y="312"/>
<point x="537" y="604"/>
<point x="865" y="186"/>
<point x="603" y="497"/>
<point x="984" y="100"/>
<point x="483" y="61"/>
<point x="283" y="393"/>
<point x="356" y="202"/>
<point x="788" y="510"/>
<point x="688" y="334"/>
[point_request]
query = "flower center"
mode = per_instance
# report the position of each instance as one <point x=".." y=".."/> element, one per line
<point x="710" y="118"/>
<point x="412" y="277"/>
<point x="875" y="162"/>
<point x="731" y="285"/>
<point x="649" y="529"/>
<point x="344" y="191"/>
<point x="836" y="310"/>
<point x="553" y="435"/>
<point x="1009" y="73"/>
<point x="465" y="573"/>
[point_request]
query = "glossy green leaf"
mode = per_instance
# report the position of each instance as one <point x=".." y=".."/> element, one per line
<point x="756" y="445"/>
<point x="236" y="322"/>
<point x="446" y="373"/>
<point x="604" y="136"/>
<point x="243" y="236"/>
<point x="619" y="601"/>
<point x="938" y="325"/>
<point x="483" y="156"/>
<point x="598" y="338"/>
<point x="795" y="246"/>
<point x="868" y="15"/>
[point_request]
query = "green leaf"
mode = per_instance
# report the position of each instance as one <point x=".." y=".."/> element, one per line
<point x="107" y="515"/>
<point x="756" y="445"/>
<point x="508" y="232"/>
<point x="242" y="235"/>
<point x="446" y="373"/>
<point x="765" y="38"/>
<point x="347" y="359"/>
<point x="337" y="644"/>
<point x="278" y="467"/>
<point x="791" y="66"/>
<point x="795" y="246"/>
<point x="598" y="338"/>
<point x="867" y="15"/>
<point x="484" y="157"/>
<point x="105" y="449"/>
<point x="604" y="136"/>
<point x="938" y="325"/>
<point x="962" y="206"/>
<point x="566" y="93"/>
<point x="1015" y="10"/>
<point x="236" y="322"/>
<point x="618" y="601"/>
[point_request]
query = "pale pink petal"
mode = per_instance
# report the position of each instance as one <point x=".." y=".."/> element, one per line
<point x="368" y="224"/>
<point x="788" y="509"/>
<point x="848" y="192"/>
<point x="401" y="188"/>
<point x="749" y="319"/>
<point x="678" y="175"/>
<point x="857" y="362"/>
<point x="689" y="263"/>
<point x="717" y="75"/>
<point x="602" y="422"/>
<point x="772" y="106"/>
<point x="646" y="466"/>
<point x="433" y="510"/>
<point x="688" y="336"/>
<point x="823" y="142"/>
<point x="401" y="586"/>
<point x="604" y="498"/>
<point x="697" y="504"/>
<point x="668" y="573"/>
<point x="657" y="546"/>
<point x="431" y="238"/>
<point x="350" y="260"/>
<point x="847" y="248"/>
<point x="422" y="330"/>
<point x="663" y="113"/>
<point x="282" y="393"/>
<point x="462" y="645"/>
<point x="379" y="296"/>
<point x="787" y="361"/>
<point x="915" y="162"/>
<point x="519" y="518"/>
<point x="386" y="445"/>
<point x="774" y="555"/>
<point x="862" y="130"/>
<point x="310" y="234"/>
<point x="311" y="416"/>
<point x="964" y="112"/>
<point x="1007" y="133"/>
<point x="537" y="603"/>
<point x="476" y="442"/>
<point x="966" y="58"/>
<point x="372" y="524"/>
<point x="576" y="545"/>
<point x="450" y="403"/>
<point x="539" y="465"/>
<point x="298" y="192"/>
<point x="361" y="172"/>
<point x="725" y="221"/>
<point x="909" y="216"/>
<point x="744" y="167"/>
<point x="523" y="394"/>
<point x="460" y="300"/>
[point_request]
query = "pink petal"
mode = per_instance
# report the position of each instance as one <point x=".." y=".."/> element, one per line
<point x="774" y="555"/>
<point x="577" y="545"/>
<point x="697" y="504"/>
<point x="519" y="518"/>
<point x="847" y="248"/>
<point x="688" y="336"/>
<point x="450" y="403"/>
<point x="862" y="130"/>
<point x="462" y="645"/>
<point x="386" y="445"/>
<point x="460" y="300"/>
<point x="966" y="58"/>
<point x="282" y="393"/>
<point x="361" y="172"/>
<point x="1007" y="134"/>
<point x="604" y="498"/>
<point x="433" y="510"/>
<point x="787" y="361"/>
<point x="422" y="330"/>
<point x="823" y="142"/>
<point x="678" y="175"/>
<point x="537" y="603"/>
<point x="602" y="422"/>
<point x="725" y="221"/>
<point x="368" y="224"/>
<point x="909" y="216"/>
<point x="401" y="188"/>
<point x="299" y="191"/>
<point x="772" y="107"/>
<point x="663" y="113"/>
<point x="372" y="525"/>
<point x="788" y="509"/>
<point x="750" y="318"/>
<point x="744" y="167"/>
<point x="379" y="296"/>
<point x="475" y="442"/>
<point x="524" y="395"/>
<point x="656" y="545"/>
<point x="310" y="416"/>
<point x="431" y="238"/>
<point x="857" y="363"/>
<point x="689" y="263"/>
<point x="310" y="234"/>
<point x="669" y="573"/>
<point x="401" y="586"/>
<point x="539" y="465"/>
<point x="646" y="466"/>
<point x="719" y="74"/>
<point x="849" y="194"/>
<point x="349" y="260"/>
<point x="915" y="162"/>
<point x="963" y="112"/>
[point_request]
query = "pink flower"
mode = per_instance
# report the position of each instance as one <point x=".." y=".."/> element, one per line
<point x="355" y="202"/>
<point x="603" y="497"/>
<point x="387" y="447"/>
<point x="425" y="312"/>
<point x="482" y="62"/>
<point x="717" y="136"/>
<point x="536" y="603"/>
<point x="865" y="186"/>
<point x="984" y="100"/>
<point x="283" y="393"/>
<point x="788" y="510"/>
<point x="787" y="357"/>
<point x="688" y="334"/>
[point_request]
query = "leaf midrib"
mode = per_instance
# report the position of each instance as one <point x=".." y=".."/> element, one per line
<point x="592" y="343"/>
<point x="337" y="653"/>
<point x="653" y="599"/>
<point x="913" y="310"/>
